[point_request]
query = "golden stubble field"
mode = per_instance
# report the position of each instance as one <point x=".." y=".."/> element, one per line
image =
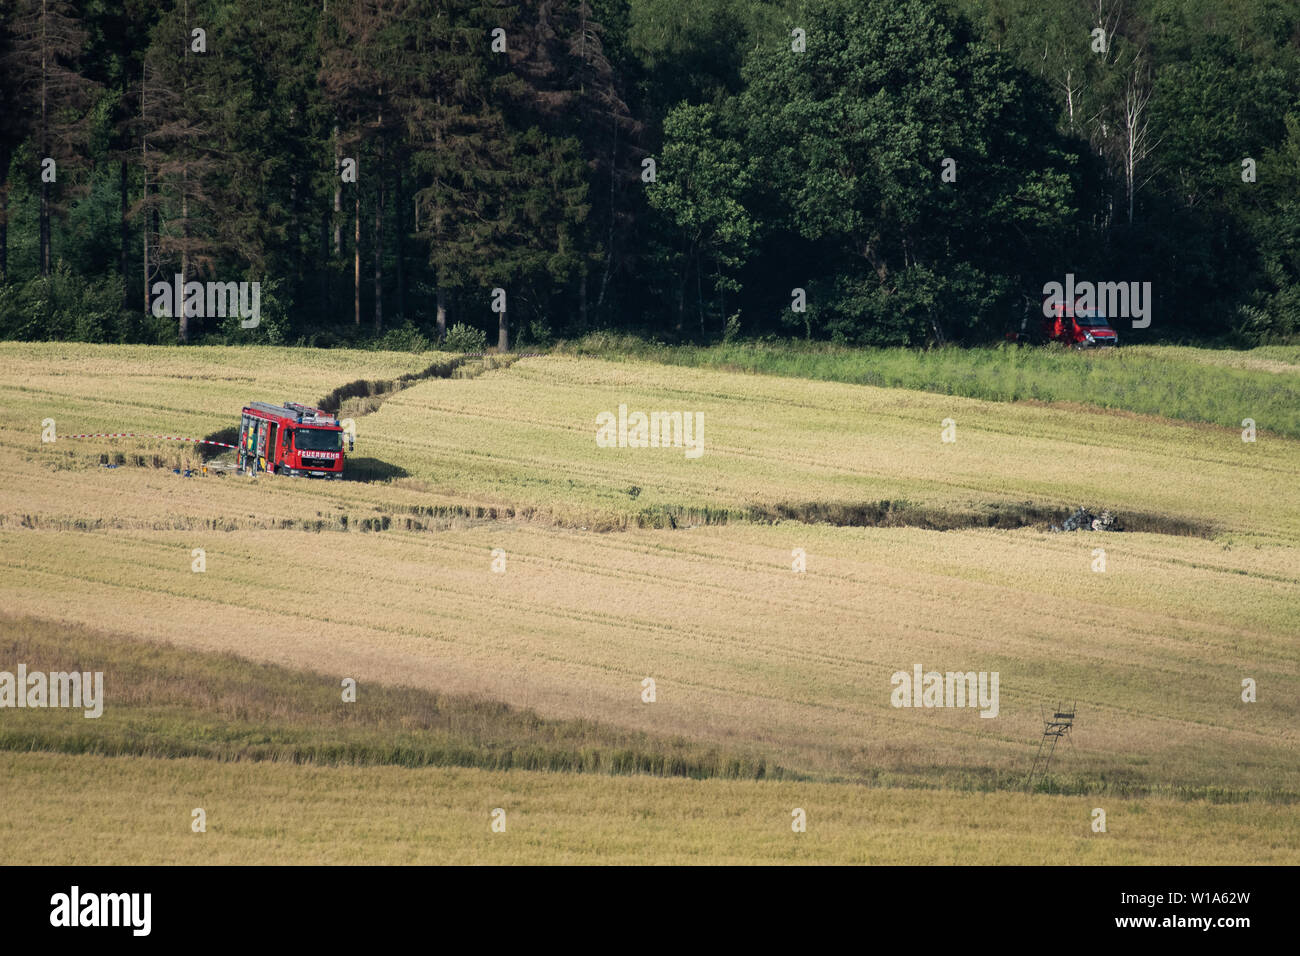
<point x="95" y="810"/>
<point x="524" y="438"/>
<point x="743" y="650"/>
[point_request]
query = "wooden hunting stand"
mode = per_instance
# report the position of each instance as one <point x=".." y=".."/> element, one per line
<point x="1058" y="726"/>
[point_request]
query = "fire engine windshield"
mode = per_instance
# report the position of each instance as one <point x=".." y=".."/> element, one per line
<point x="317" y="439"/>
<point x="1090" y="320"/>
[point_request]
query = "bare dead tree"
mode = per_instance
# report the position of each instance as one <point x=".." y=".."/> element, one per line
<point x="1138" y="146"/>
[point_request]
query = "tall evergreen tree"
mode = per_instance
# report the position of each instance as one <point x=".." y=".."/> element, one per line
<point x="179" y="154"/>
<point x="52" y="98"/>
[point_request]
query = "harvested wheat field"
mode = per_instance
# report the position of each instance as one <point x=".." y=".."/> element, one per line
<point x="639" y="654"/>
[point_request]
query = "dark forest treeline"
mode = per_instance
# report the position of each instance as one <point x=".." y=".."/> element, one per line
<point x="917" y="169"/>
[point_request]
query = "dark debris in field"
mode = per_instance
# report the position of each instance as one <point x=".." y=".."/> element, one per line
<point x="1084" y="520"/>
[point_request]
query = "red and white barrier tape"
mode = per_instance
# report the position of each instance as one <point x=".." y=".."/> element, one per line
<point x="195" y="441"/>
<point x="515" y="354"/>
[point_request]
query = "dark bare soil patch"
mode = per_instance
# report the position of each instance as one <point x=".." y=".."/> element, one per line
<point x="904" y="514"/>
<point x="439" y="517"/>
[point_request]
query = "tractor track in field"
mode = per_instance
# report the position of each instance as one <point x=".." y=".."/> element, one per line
<point x="442" y="517"/>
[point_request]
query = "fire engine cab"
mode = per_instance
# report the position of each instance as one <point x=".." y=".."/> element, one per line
<point x="290" y="439"/>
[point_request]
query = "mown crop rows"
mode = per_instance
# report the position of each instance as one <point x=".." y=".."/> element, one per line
<point x="746" y="654"/>
<point x="266" y="813"/>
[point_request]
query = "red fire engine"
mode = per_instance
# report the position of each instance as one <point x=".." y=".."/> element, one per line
<point x="290" y="439"/>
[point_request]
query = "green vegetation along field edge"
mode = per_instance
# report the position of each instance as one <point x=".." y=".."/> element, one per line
<point x="1218" y="387"/>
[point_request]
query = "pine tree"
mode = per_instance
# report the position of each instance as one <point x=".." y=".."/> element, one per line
<point x="179" y="157"/>
<point x="354" y="86"/>
<point x="51" y="98"/>
<point x="564" y="81"/>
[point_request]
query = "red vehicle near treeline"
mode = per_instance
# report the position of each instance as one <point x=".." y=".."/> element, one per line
<point x="1076" y="326"/>
<point x="290" y="439"/>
